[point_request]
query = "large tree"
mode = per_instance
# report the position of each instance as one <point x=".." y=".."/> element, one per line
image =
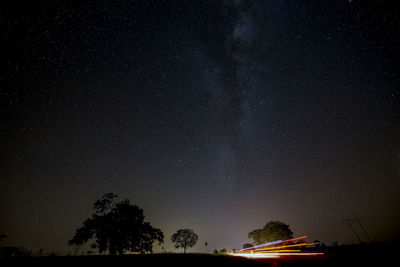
<point x="184" y="238"/>
<point x="117" y="227"/>
<point x="272" y="231"/>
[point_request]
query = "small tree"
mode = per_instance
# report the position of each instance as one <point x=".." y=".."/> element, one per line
<point x="223" y="251"/>
<point x="184" y="238"/>
<point x="2" y="236"/>
<point x="272" y="231"/>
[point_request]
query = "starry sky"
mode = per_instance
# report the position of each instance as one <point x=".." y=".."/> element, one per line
<point x="217" y="116"/>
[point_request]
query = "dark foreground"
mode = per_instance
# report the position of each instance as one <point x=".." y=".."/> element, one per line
<point x="356" y="255"/>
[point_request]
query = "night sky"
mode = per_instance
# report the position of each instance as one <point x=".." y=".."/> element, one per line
<point x="217" y="116"/>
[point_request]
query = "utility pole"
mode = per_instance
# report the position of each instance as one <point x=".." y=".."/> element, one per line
<point x="358" y="221"/>
<point x="362" y="227"/>
<point x="354" y="231"/>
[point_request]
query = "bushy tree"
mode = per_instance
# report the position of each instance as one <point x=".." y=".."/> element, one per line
<point x="272" y="231"/>
<point x="184" y="238"/>
<point x="117" y="227"/>
<point x="223" y="251"/>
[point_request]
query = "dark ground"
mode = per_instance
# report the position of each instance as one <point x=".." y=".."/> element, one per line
<point x="377" y="254"/>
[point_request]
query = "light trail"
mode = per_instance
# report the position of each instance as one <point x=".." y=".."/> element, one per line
<point x="277" y="254"/>
<point x="277" y="249"/>
<point x="262" y="245"/>
<point x="289" y="246"/>
<point x="272" y="243"/>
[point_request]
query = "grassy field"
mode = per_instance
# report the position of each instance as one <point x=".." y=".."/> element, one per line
<point x="352" y="255"/>
<point x="132" y="260"/>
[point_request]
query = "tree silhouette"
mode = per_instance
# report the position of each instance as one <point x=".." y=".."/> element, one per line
<point x="117" y="227"/>
<point x="272" y="231"/>
<point x="184" y="238"/>
<point x="2" y="236"/>
<point x="223" y="251"/>
<point x="247" y="245"/>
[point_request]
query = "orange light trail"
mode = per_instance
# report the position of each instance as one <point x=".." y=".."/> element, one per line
<point x="272" y="243"/>
<point x="289" y="246"/>
<point x="277" y="249"/>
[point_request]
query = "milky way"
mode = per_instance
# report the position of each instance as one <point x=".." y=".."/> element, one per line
<point x="217" y="116"/>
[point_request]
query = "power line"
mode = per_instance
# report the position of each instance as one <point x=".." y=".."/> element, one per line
<point x="350" y="223"/>
<point x="354" y="231"/>
<point x="362" y="227"/>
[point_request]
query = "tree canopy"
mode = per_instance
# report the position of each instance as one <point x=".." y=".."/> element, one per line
<point x="184" y="238"/>
<point x="247" y="245"/>
<point x="117" y="227"/>
<point x="272" y="231"/>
